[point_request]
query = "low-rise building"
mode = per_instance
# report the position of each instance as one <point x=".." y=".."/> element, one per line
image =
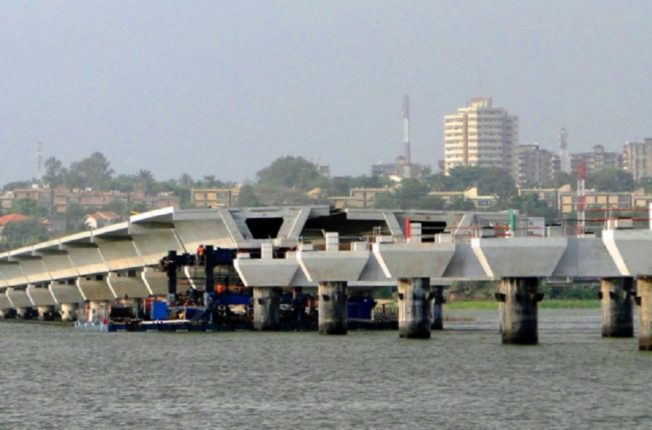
<point x="470" y="194"/>
<point x="101" y="219"/>
<point x="400" y="169"/>
<point x="214" y="197"/>
<point x="359" y="198"/>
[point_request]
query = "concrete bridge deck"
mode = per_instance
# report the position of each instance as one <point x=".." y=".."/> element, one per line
<point x="318" y="247"/>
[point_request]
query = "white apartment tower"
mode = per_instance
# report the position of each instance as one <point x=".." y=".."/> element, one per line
<point x="480" y="135"/>
<point x="637" y="158"/>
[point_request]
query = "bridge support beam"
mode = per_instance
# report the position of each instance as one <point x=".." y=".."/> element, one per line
<point x="333" y="311"/>
<point x="414" y="308"/>
<point x="437" y="294"/>
<point x="68" y="311"/>
<point x="617" y="312"/>
<point x="266" y="308"/>
<point x="519" y="298"/>
<point x="644" y="300"/>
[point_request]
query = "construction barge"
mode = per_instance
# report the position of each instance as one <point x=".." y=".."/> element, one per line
<point x="224" y="304"/>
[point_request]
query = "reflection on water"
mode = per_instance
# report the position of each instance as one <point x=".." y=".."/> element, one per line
<point x="463" y="378"/>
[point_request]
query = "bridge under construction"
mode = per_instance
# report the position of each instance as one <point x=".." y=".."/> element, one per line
<point x="333" y="253"/>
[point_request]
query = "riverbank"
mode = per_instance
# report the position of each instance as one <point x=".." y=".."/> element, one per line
<point x="545" y="304"/>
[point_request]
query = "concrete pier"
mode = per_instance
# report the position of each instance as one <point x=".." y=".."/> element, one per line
<point x="519" y="298"/>
<point x="333" y="312"/>
<point x="414" y="312"/>
<point x="437" y="294"/>
<point x="24" y="313"/>
<point x="68" y="311"/>
<point x="617" y="312"/>
<point x="45" y="313"/>
<point x="266" y="308"/>
<point x="644" y="300"/>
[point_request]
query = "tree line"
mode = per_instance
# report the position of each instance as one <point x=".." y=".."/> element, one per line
<point x="291" y="180"/>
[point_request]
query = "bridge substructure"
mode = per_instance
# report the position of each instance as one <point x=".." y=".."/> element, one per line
<point x="334" y="252"/>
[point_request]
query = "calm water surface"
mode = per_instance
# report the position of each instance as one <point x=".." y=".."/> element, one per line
<point x="463" y="378"/>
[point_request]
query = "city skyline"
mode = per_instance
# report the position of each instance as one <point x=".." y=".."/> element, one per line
<point x="225" y="88"/>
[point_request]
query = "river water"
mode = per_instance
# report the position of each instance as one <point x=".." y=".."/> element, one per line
<point x="462" y="378"/>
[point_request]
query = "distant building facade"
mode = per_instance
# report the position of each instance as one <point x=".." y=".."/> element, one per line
<point x="637" y="158"/>
<point x="400" y="169"/>
<point x="214" y="197"/>
<point x="533" y="166"/>
<point x="470" y="194"/>
<point x="363" y="197"/>
<point x="56" y="201"/>
<point x="480" y="135"/>
<point x="596" y="160"/>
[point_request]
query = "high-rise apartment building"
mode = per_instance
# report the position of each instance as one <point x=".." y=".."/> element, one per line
<point x="533" y="166"/>
<point x="479" y="135"/>
<point x="637" y="158"/>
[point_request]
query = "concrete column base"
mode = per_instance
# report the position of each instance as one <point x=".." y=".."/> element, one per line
<point x="266" y="307"/>
<point x="68" y="311"/>
<point x="617" y="309"/>
<point x="644" y="300"/>
<point x="333" y="307"/>
<point x="414" y="312"/>
<point x="45" y="313"/>
<point x="437" y="294"/>
<point x="24" y="313"/>
<point x="519" y="300"/>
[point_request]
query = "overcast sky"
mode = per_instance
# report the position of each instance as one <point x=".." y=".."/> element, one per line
<point x="225" y="87"/>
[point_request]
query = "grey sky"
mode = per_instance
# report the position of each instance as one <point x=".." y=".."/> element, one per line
<point x="224" y="87"/>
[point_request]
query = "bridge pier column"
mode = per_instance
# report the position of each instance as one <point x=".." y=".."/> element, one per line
<point x="68" y="311"/>
<point x="333" y="311"/>
<point x="97" y="310"/>
<point x="45" y="313"/>
<point x="24" y="313"/>
<point x="414" y="310"/>
<point x="266" y="307"/>
<point x="519" y="300"/>
<point x="437" y="293"/>
<point x="617" y="312"/>
<point x="644" y="300"/>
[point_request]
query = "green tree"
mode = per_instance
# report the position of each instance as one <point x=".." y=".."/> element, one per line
<point x="563" y="178"/>
<point x="613" y="180"/>
<point x="73" y="218"/>
<point x="92" y="172"/>
<point x="645" y="183"/>
<point x="459" y="204"/>
<point x="530" y="204"/>
<point x="23" y="233"/>
<point x="55" y="173"/>
<point x="247" y="197"/>
<point x="410" y="194"/>
<point x="489" y="180"/>
<point x="16" y="184"/>
<point x="29" y="207"/>
<point x="291" y="172"/>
